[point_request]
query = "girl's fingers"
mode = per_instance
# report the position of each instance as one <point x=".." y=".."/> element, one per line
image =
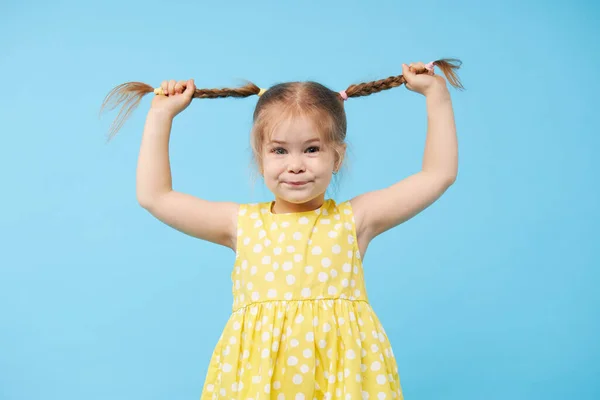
<point x="172" y="84"/>
<point x="180" y="86"/>
<point x="165" y="87"/>
<point x="190" y="87"/>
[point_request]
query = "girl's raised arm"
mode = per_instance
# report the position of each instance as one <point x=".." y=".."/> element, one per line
<point x="212" y="221"/>
<point x="380" y="210"/>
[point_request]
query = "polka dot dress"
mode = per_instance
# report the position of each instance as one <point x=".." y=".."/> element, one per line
<point x="301" y="327"/>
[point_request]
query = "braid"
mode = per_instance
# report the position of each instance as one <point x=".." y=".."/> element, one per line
<point x="130" y="95"/>
<point x="364" y="89"/>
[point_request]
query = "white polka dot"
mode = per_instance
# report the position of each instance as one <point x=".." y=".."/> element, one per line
<point x="287" y="266"/>
<point x="310" y="336"/>
<point x="305" y="292"/>
<point x="332" y="234"/>
<point x="267" y="388"/>
<point x="326" y="221"/>
<point x="290" y="279"/>
<point x="332" y="290"/>
<point x="323" y="276"/>
<point x="253" y="270"/>
<point x="381" y="396"/>
<point x="277" y="251"/>
<point x="304" y="368"/>
<point x="381" y="379"/>
<point x="246" y="241"/>
<point x="350" y="355"/>
<point x="350" y="239"/>
<point x="270" y="277"/>
<point x="299" y="396"/>
<point x="285" y="224"/>
<point x="255" y="296"/>
<point x="290" y="249"/>
<point x="307" y="353"/>
<point x="336" y="249"/>
<point x="316" y="250"/>
<point x="292" y="361"/>
<point x="299" y="319"/>
<point x="271" y="293"/>
<point x="326" y="327"/>
<point x="288" y="296"/>
<point x="276" y="385"/>
<point x="265" y="353"/>
<point x="326" y="262"/>
<point x="262" y="233"/>
<point x="294" y="343"/>
<point x="297" y="379"/>
<point x="303" y="221"/>
<point x="333" y="273"/>
<point x="308" y="269"/>
<point x="376" y="366"/>
<point x="298" y="257"/>
<point x="346" y="267"/>
<point x="322" y="343"/>
<point x="345" y="282"/>
<point x="265" y="336"/>
<point x="297" y="236"/>
<point x="227" y="367"/>
<point x="258" y="224"/>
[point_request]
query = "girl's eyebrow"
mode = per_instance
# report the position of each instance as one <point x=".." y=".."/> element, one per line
<point x="284" y="142"/>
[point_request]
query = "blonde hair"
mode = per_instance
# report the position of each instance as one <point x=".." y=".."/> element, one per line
<point x="322" y="105"/>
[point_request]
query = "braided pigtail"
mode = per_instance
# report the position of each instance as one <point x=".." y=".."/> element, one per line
<point x="447" y="66"/>
<point x="131" y="93"/>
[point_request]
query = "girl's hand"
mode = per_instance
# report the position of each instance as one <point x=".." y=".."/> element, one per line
<point x="424" y="83"/>
<point x="177" y="96"/>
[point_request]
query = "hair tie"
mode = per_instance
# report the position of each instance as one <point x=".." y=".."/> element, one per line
<point x="261" y="92"/>
<point x="159" y="91"/>
<point x="429" y="66"/>
<point x="344" y="95"/>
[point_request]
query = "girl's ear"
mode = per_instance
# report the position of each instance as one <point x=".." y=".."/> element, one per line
<point x="340" y="154"/>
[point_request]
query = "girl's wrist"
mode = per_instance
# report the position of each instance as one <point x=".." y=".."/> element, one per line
<point x="160" y="113"/>
<point x="438" y="92"/>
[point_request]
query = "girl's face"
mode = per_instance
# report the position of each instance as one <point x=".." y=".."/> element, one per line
<point x="297" y="165"/>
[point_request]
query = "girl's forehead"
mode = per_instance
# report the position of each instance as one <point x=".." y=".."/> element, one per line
<point x="297" y="129"/>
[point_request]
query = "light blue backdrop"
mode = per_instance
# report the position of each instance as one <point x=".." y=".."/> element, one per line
<point x="491" y="293"/>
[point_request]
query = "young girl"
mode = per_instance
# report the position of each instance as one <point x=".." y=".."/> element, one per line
<point x="301" y="326"/>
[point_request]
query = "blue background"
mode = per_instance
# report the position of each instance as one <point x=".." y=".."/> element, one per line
<point x="490" y="293"/>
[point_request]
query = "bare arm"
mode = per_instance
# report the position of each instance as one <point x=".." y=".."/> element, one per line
<point x="212" y="221"/>
<point x="380" y="210"/>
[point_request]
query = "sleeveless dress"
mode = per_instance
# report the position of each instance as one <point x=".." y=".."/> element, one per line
<point x="301" y="326"/>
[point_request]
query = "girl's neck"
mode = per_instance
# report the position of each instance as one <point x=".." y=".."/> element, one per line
<point x="280" y="206"/>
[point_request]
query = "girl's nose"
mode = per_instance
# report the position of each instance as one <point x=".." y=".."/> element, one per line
<point x="296" y="165"/>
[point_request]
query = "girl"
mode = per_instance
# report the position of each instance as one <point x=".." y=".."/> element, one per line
<point x="301" y="326"/>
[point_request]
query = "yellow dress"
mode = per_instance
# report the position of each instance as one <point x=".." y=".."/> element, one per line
<point x="301" y="326"/>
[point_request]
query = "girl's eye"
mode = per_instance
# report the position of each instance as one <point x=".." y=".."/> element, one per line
<point x="313" y="149"/>
<point x="278" y="150"/>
